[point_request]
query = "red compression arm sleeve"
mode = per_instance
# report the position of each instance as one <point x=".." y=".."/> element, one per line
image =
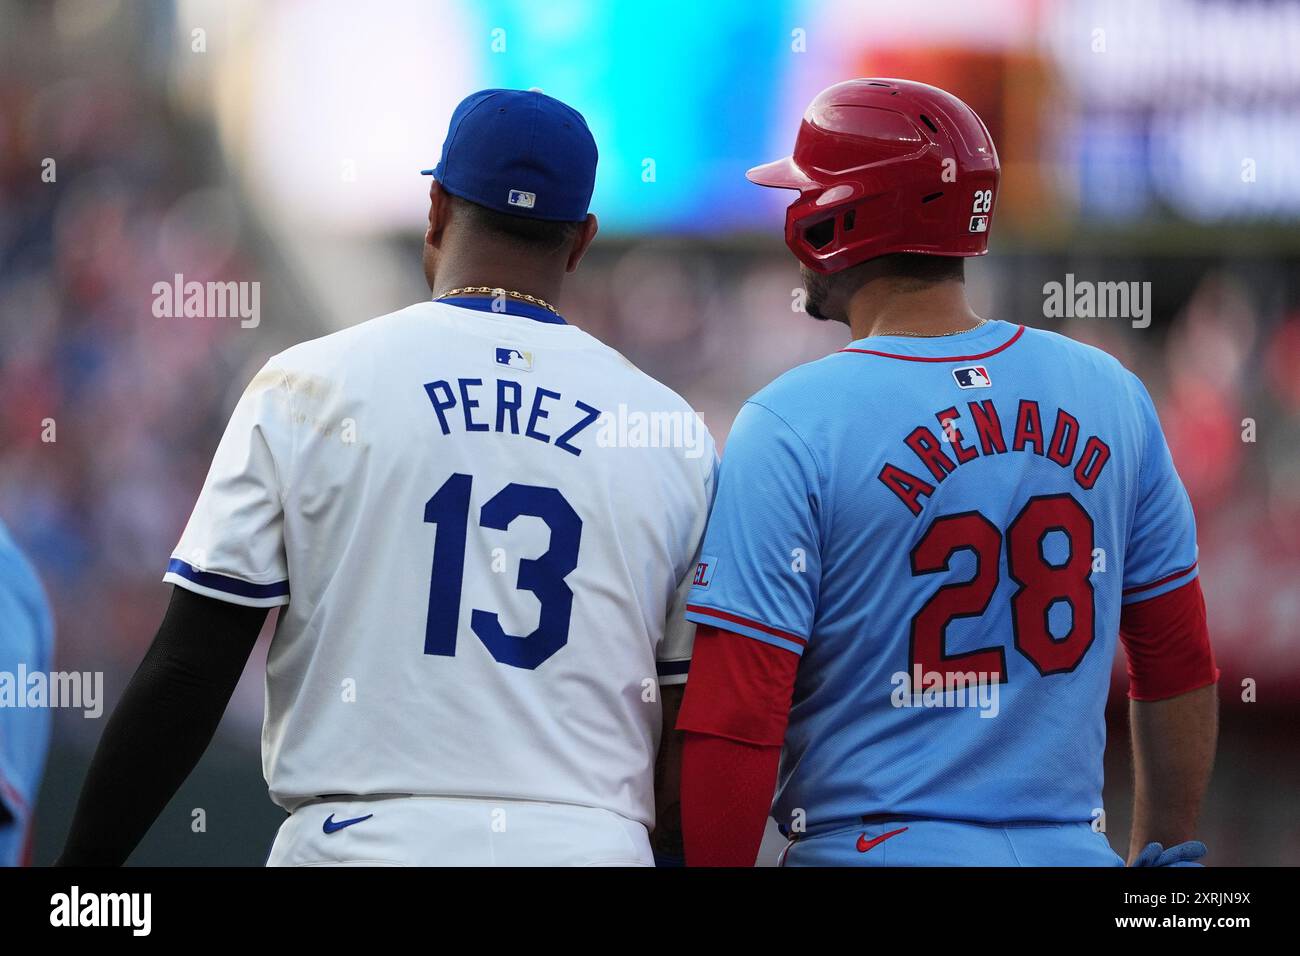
<point x="726" y="794"/>
<point x="734" y="714"/>
<point x="1168" y="644"/>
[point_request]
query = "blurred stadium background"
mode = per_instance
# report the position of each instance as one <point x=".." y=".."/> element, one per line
<point x="1154" y="141"/>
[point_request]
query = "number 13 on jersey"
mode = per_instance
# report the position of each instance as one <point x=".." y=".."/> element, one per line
<point x="543" y="576"/>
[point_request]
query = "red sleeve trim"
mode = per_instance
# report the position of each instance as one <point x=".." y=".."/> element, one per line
<point x="1168" y="644"/>
<point x="748" y="622"/>
<point x="739" y="688"/>
<point x="1165" y="580"/>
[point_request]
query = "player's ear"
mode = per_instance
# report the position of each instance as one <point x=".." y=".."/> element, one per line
<point x="582" y="241"/>
<point x="439" y="212"/>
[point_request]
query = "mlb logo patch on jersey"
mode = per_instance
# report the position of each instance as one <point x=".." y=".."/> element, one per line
<point x="972" y="376"/>
<point x="515" y="358"/>
<point x="703" y="572"/>
<point x="524" y="200"/>
<point x="979" y="223"/>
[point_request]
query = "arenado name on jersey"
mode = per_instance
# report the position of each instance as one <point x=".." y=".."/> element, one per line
<point x="514" y="410"/>
<point x="1029" y="436"/>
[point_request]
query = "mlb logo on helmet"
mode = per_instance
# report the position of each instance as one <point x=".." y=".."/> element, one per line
<point x="972" y="376"/>
<point x="514" y="358"/>
<point x="979" y="223"/>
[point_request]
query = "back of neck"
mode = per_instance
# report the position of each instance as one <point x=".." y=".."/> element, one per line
<point x="890" y="306"/>
<point x="510" y="272"/>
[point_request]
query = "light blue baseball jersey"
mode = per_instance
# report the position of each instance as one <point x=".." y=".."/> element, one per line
<point x="945" y="530"/>
<point x="26" y="647"/>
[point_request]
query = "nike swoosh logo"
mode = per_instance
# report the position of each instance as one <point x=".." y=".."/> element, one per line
<point x="864" y="844"/>
<point x="334" y="827"/>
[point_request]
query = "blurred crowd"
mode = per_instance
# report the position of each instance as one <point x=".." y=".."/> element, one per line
<point x="108" y="414"/>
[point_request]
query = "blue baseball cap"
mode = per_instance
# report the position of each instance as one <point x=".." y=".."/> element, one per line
<point x="519" y="152"/>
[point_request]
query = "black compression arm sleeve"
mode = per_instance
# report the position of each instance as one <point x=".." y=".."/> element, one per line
<point x="161" y="726"/>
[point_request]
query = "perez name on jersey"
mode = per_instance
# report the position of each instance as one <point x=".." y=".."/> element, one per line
<point x="941" y="452"/>
<point x="506" y="406"/>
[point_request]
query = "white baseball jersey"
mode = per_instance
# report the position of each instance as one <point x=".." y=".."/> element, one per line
<point x="483" y="528"/>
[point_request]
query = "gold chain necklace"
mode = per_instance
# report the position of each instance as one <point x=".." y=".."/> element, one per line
<point x="487" y="290"/>
<point x="936" y="335"/>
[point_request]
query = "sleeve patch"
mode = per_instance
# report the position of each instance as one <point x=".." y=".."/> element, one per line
<point x="704" y="571"/>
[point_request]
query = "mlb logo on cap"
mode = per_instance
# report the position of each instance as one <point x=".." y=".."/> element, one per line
<point x="972" y="376"/>
<point x="522" y="199"/>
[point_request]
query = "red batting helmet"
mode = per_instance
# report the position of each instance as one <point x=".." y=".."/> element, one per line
<point x="886" y="166"/>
